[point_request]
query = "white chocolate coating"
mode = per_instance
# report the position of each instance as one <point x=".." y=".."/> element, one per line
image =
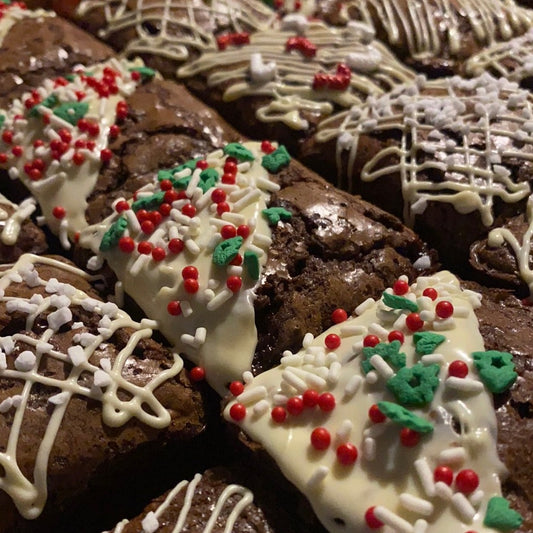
<point x="396" y="479"/>
<point x="29" y="495"/>
<point x="11" y="224"/>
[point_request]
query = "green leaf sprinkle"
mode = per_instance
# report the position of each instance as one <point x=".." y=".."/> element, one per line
<point x="49" y="102"/>
<point x="390" y="352"/>
<point x="500" y="515"/>
<point x="208" y="179"/>
<point x="496" y="369"/>
<point x="71" y="112"/>
<point x="251" y="264"/>
<point x="276" y="160"/>
<point x="399" y="302"/>
<point x="275" y="214"/>
<point x="113" y="234"/>
<point x="415" y="386"/>
<point x="149" y="202"/>
<point x="145" y="72"/>
<point x="404" y="417"/>
<point x="226" y="251"/>
<point x="238" y="151"/>
<point x="427" y="341"/>
<point x="2" y="120"/>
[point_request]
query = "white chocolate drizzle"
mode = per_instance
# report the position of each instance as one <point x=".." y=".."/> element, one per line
<point x="439" y="122"/>
<point x="29" y="494"/>
<point x="62" y="182"/>
<point x="11" y="223"/>
<point x="265" y="68"/>
<point x="396" y="480"/>
<point x="150" y="522"/>
<point x="214" y="327"/>
<point x="172" y="28"/>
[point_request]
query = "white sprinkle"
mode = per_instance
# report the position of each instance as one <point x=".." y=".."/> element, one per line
<point x="371" y="377"/>
<point x="463" y="506"/>
<point x="378" y="330"/>
<point x="279" y="399"/>
<point x="60" y="398"/>
<point x="25" y="361"/>
<point x="464" y="384"/>
<point x="367" y="304"/>
<point x="105" y="363"/>
<point x="59" y="301"/>
<point x="7" y="344"/>
<point x="352" y="331"/>
<point x="223" y="296"/>
<point x="477" y="497"/>
<point x="443" y="491"/>
<point x="334" y="373"/>
<point x="432" y="359"/>
<point x="77" y="355"/>
<point x="392" y="519"/>
<point x="427" y="315"/>
<point x="443" y="325"/>
<point x="415" y="504"/>
<point x="101" y="378"/>
<point x="252" y="395"/>
<point x="96" y="262"/>
<point x="291" y="359"/>
<point x="452" y="456"/>
<point x="421" y="526"/>
<point x="307" y="340"/>
<point x="461" y="311"/>
<point x="426" y="476"/>
<point x="344" y="430"/>
<point x="17" y="400"/>
<point x="318" y="476"/>
<point x="353" y="385"/>
<point x="381" y="366"/>
<point x="375" y="430"/>
<point x="261" y="407"/>
<point x="247" y="377"/>
<point x="59" y="318"/>
<point x="63" y="234"/>
<point x="150" y="524"/>
<point x="293" y="380"/>
<point x="399" y="324"/>
<point x="52" y="286"/>
<point x="6" y="405"/>
<point x="369" y="448"/>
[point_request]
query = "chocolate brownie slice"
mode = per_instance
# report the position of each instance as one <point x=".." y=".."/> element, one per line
<point x="84" y="391"/>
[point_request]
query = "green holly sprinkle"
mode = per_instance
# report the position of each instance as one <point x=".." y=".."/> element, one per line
<point x="500" y="515"/>
<point x="226" y="251"/>
<point x="149" y="202"/>
<point x="208" y="179"/>
<point x="145" y="72"/>
<point x="275" y="214"/>
<point x="50" y="102"/>
<point x="71" y="112"/>
<point x="113" y="234"/>
<point x="251" y="264"/>
<point x="399" y="302"/>
<point x="390" y="352"/>
<point x="2" y="120"/>
<point x="238" y="151"/>
<point x="496" y="369"/>
<point x="415" y="386"/>
<point x="404" y="417"/>
<point x="168" y="174"/>
<point x="70" y="77"/>
<point x="426" y="342"/>
<point x="276" y="160"/>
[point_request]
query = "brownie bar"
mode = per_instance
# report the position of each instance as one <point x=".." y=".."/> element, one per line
<point x="84" y="388"/>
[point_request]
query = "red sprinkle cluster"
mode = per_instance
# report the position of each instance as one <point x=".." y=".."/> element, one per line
<point x="232" y="39"/>
<point x="340" y="81"/>
<point x="466" y="481"/>
<point x="302" y="45"/>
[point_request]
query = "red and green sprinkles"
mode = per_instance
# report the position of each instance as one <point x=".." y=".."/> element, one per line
<point x="399" y="302"/>
<point x="415" y="386"/>
<point x="239" y="152"/>
<point x="276" y="214"/>
<point x="390" y="353"/>
<point x="276" y="160"/>
<point x="405" y="418"/>
<point x="226" y="251"/>
<point x="113" y="234"/>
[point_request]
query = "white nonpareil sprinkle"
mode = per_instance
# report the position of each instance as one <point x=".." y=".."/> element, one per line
<point x="150" y="524"/>
<point x="25" y="361"/>
<point x="59" y="318"/>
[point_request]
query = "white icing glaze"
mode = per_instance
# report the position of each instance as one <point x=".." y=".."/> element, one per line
<point x="11" y="224"/>
<point x="64" y="183"/>
<point x="396" y="479"/>
<point x="493" y="113"/>
<point x="216" y="327"/>
<point x="246" y="497"/>
<point x="172" y="28"/>
<point x="433" y="28"/>
<point x="29" y="494"/>
<point x="290" y="89"/>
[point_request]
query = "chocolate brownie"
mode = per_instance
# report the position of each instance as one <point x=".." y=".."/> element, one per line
<point x="452" y="156"/>
<point x="85" y="394"/>
<point x="219" y="500"/>
<point x="389" y="418"/>
<point x="434" y="37"/>
<point x="243" y="251"/>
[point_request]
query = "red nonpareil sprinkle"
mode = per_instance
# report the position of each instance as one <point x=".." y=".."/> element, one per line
<point x="7" y="136"/>
<point x="396" y="335"/>
<point x="59" y="212"/>
<point x="400" y="287"/>
<point x="80" y="95"/>
<point x="189" y="272"/>
<point x="60" y="82"/>
<point x="17" y="150"/>
<point x="409" y="438"/>
<point x="376" y="415"/>
<point x="326" y="402"/>
<point x="35" y="174"/>
<point x="222" y="207"/>
<point x="414" y="322"/>
<point x="78" y="158"/>
<point x="444" y="309"/>
<point x="147" y="226"/>
<point x="91" y="145"/>
<point x="176" y="246"/>
<point x="237" y="412"/>
<point x="165" y="209"/>
<point x="121" y="206"/>
<point x="228" y="179"/>
<point x="58" y="146"/>
<point x="156" y="217"/>
<point x="234" y="283"/>
<point x="83" y="124"/>
<point x="237" y="260"/>
<point x="145" y="248"/>
<point x="80" y="143"/>
<point x="165" y="185"/>
<point x="114" y="131"/>
<point x="174" y="308"/>
<point x="458" y="369"/>
<point x="3" y="157"/>
<point x="370" y="518"/>
<point x="121" y="110"/>
<point x="278" y="414"/>
<point x="243" y="231"/>
<point x="347" y="454"/>
<point x="171" y="196"/>
<point x="230" y="166"/>
<point x="38" y="143"/>
<point x="236" y="388"/>
<point x="77" y="237"/>
<point x="202" y="164"/>
<point x="105" y="155"/>
<point x="443" y="473"/>
<point x="310" y="398"/>
<point x="370" y="341"/>
<point x="142" y="215"/>
<point x="228" y="231"/>
<point x="466" y="481"/>
<point x="339" y="315"/>
<point x="332" y="341"/>
<point x="189" y="210"/>
<point x="94" y="129"/>
<point x="135" y="75"/>
<point x="65" y="135"/>
<point x="218" y="195"/>
<point x="320" y="439"/>
<point x="295" y="405"/>
<point x="222" y="42"/>
<point x="158" y="254"/>
<point x="126" y="244"/>
<point x="430" y="292"/>
<point x="197" y="373"/>
<point x="191" y="285"/>
<point x="267" y="147"/>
